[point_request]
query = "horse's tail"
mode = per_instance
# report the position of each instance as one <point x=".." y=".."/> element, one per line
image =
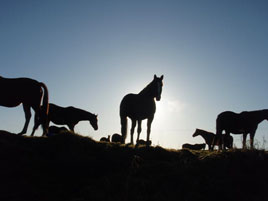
<point x="45" y="109"/>
<point x="45" y="104"/>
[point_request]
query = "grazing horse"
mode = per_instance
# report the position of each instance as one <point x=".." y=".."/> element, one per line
<point x="209" y="137"/>
<point x="30" y="93"/>
<point x="139" y="107"/>
<point x="194" y="146"/>
<point x="70" y="116"/>
<point x="243" y="123"/>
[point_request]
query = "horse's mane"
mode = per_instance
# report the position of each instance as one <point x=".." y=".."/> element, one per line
<point x="204" y="131"/>
<point x="82" y="111"/>
<point x="147" y="89"/>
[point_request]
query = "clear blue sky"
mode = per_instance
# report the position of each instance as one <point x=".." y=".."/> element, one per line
<point x="213" y="54"/>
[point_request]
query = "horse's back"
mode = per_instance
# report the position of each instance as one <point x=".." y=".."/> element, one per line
<point x="236" y="123"/>
<point x="18" y="83"/>
<point x="19" y="90"/>
<point x="227" y="119"/>
<point x="128" y="100"/>
<point x="226" y="115"/>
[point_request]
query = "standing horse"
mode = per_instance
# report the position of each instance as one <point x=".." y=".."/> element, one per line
<point x="70" y="116"/>
<point x="243" y="123"/>
<point x="29" y="92"/>
<point x="209" y="137"/>
<point x="139" y="107"/>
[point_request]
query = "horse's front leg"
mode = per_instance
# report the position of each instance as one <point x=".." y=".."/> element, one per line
<point x="133" y="125"/>
<point x="252" y="134"/>
<point x="209" y="147"/>
<point x="216" y="139"/>
<point x="27" y="112"/>
<point x="149" y="123"/>
<point x="71" y="127"/>
<point x="225" y="139"/>
<point x="244" y="140"/>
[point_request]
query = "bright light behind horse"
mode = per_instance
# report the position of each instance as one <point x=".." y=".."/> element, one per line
<point x="167" y="112"/>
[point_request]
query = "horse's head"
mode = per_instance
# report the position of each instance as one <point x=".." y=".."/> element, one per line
<point x="94" y="122"/>
<point x="158" y="84"/>
<point x="196" y="133"/>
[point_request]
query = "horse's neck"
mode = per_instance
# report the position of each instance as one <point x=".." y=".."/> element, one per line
<point x="261" y="115"/>
<point x="84" y="115"/>
<point x="147" y="91"/>
<point x="206" y="135"/>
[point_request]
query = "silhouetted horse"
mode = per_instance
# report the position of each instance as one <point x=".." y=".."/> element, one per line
<point x="194" y="146"/>
<point x="143" y="142"/>
<point x="105" y="139"/>
<point x="30" y="93"/>
<point x="139" y="107"/>
<point x="243" y="123"/>
<point x="116" y="138"/>
<point x="70" y="116"/>
<point x="209" y="137"/>
<point x="54" y="130"/>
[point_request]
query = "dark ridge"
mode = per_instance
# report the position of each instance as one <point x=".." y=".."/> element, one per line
<point x="70" y="167"/>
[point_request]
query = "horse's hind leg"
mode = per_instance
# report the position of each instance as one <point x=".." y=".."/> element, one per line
<point x="27" y="112"/>
<point x="210" y="147"/>
<point x="133" y="125"/>
<point x="139" y="131"/>
<point x="244" y="140"/>
<point x="71" y="127"/>
<point x="36" y="123"/>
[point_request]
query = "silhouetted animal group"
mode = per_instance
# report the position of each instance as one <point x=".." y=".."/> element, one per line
<point x="117" y="138"/>
<point x="236" y="123"/>
<point x="226" y="141"/>
<point x="31" y="93"/>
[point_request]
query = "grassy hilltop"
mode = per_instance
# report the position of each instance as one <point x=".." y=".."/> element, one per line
<point x="70" y="167"/>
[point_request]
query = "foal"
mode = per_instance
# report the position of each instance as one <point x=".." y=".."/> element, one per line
<point x="210" y="137"/>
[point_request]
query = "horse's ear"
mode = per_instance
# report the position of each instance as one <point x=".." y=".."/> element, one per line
<point x="162" y="77"/>
<point x="155" y="76"/>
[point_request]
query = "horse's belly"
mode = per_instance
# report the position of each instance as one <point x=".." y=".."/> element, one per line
<point x="138" y="116"/>
<point x="58" y="121"/>
<point x="240" y="131"/>
<point x="140" y="113"/>
<point x="9" y="102"/>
